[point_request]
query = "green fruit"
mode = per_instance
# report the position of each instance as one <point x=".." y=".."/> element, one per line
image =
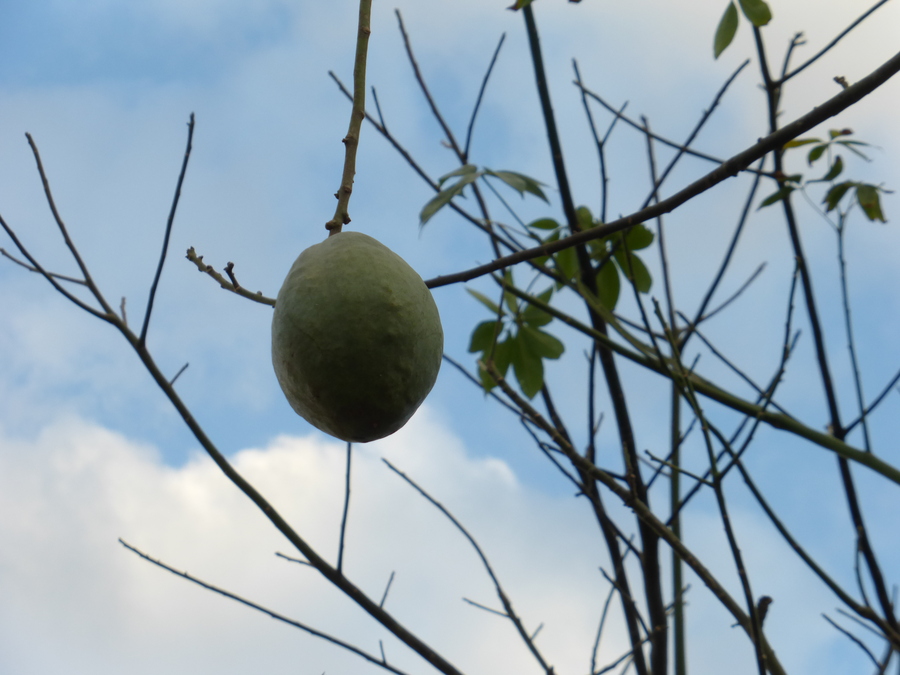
<point x="356" y="338"/>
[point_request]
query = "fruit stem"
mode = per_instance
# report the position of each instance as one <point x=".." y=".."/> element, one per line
<point x="357" y="115"/>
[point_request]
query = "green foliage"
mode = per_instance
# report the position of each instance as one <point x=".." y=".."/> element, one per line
<point x="468" y="174"/>
<point x="514" y="338"/>
<point x="867" y="195"/>
<point x="614" y="255"/>
<point x="726" y="30"/>
<point x="757" y="13"/>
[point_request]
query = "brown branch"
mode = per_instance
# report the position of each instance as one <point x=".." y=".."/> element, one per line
<point x="727" y="169"/>
<point x="224" y="283"/>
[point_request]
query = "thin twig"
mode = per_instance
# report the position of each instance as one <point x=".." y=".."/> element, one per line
<point x="386" y="589"/>
<point x="54" y="275"/>
<point x="504" y="599"/>
<point x="725" y="170"/>
<point x="168" y="234"/>
<point x="484" y="82"/>
<point x="340" y="558"/>
<point x="275" y="615"/>
<point x="831" y="44"/>
<point x="224" y="283"/>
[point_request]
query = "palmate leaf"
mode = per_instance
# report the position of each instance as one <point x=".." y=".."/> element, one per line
<point x="726" y="30"/>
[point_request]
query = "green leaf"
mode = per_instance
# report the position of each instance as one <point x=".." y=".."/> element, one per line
<point x="533" y="315"/>
<point x="638" y="273"/>
<point x="519" y="4"/>
<point x="867" y="196"/>
<point x="849" y="145"/>
<point x="638" y="237"/>
<point x="444" y="197"/>
<point x="544" y="224"/>
<point x="528" y="367"/>
<point x="835" y="194"/>
<point x="566" y="263"/>
<point x="816" y="152"/>
<point x="797" y="142"/>
<point x="519" y="182"/>
<point x="608" y="285"/>
<point x="540" y="343"/>
<point x="757" y="11"/>
<point x="465" y="170"/>
<point x="726" y="30"/>
<point x="502" y="357"/>
<point x="584" y="217"/>
<point x="834" y="133"/>
<point x="483" y="336"/>
<point x="486" y="301"/>
<point x="835" y="169"/>
<point x="776" y="196"/>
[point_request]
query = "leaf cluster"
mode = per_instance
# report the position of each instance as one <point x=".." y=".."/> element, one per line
<point x="468" y="174"/>
<point x="515" y="339"/>
<point x="867" y="195"/>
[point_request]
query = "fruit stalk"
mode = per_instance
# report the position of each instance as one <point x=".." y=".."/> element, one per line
<point x="357" y="115"/>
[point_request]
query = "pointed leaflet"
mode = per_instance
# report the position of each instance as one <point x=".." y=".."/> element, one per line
<point x="540" y="343"/>
<point x="534" y="315"/>
<point x="519" y="182"/>
<point x="797" y="142"/>
<point x="502" y="357"/>
<point x="544" y="224"/>
<point x="634" y="270"/>
<point x="867" y="196"/>
<point x="726" y="30"/>
<point x="608" y="285"/>
<point x="835" y="194"/>
<point x="483" y="336"/>
<point x="835" y="169"/>
<point x="443" y="197"/>
<point x="638" y="237"/>
<point x="465" y="170"/>
<point x="757" y="11"/>
<point x="528" y="366"/>
<point x="486" y="301"/>
<point x="776" y="196"/>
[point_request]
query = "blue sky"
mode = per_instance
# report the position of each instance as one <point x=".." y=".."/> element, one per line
<point x="90" y="450"/>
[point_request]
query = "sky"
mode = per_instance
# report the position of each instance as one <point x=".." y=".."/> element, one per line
<point x="91" y="451"/>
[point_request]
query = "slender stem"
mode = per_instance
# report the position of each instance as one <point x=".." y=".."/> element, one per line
<point x="357" y="115"/>
<point x="275" y="615"/>
<point x="340" y="559"/>
<point x="169" y="223"/>
<point x="831" y="44"/>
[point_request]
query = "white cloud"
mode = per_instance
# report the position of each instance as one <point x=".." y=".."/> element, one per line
<point x="67" y="495"/>
<point x="72" y="600"/>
